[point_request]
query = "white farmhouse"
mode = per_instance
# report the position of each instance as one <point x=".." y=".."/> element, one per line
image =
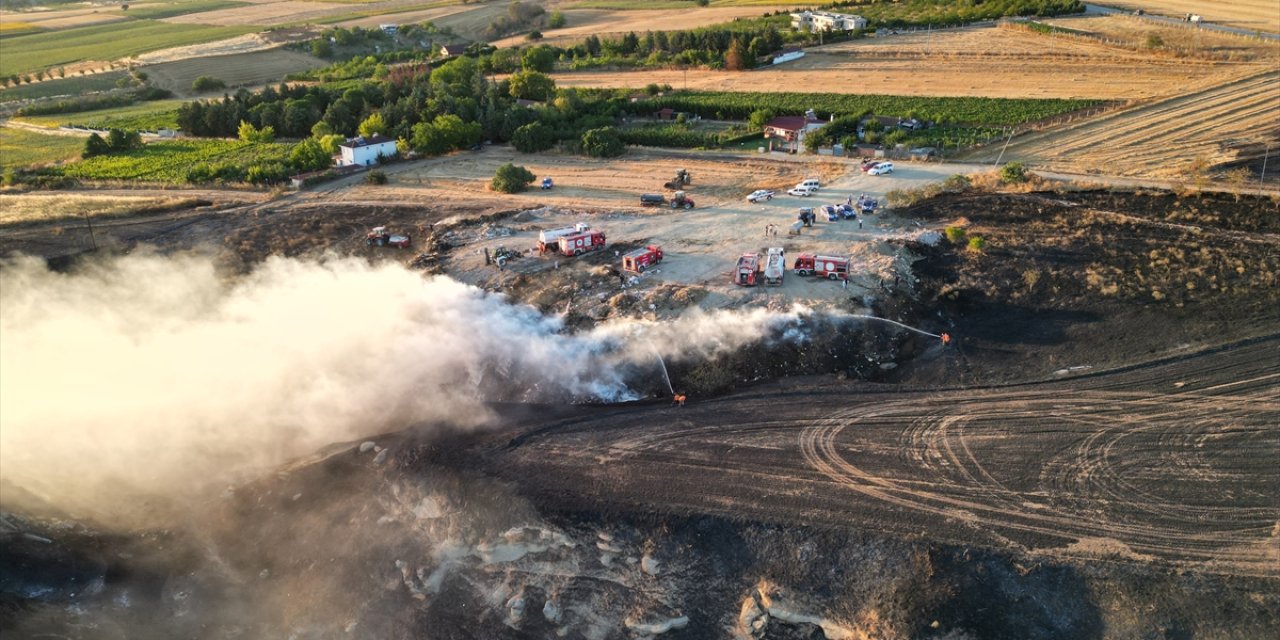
<point x="827" y="21"/>
<point x="366" y="151"/>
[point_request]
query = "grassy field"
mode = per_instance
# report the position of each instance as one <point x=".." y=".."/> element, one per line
<point x="21" y="148"/>
<point x="74" y="87"/>
<point x="169" y="161"/>
<point x="241" y="69"/>
<point x="29" y="53"/>
<point x="33" y="208"/>
<point x="144" y="116"/>
<point x="158" y="10"/>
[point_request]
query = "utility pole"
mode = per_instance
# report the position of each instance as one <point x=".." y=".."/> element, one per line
<point x="1006" y="146"/>
<point x="89" y="222"/>
<point x="1263" y="176"/>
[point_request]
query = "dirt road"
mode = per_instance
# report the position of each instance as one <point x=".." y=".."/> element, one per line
<point x="1170" y="462"/>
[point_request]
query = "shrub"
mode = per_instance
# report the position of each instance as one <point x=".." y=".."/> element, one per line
<point x="95" y="146"/>
<point x="1013" y="172"/>
<point x="377" y="176"/>
<point x="534" y="35"/>
<point x="977" y="244"/>
<point x="556" y="20"/>
<point x="957" y="183"/>
<point x="207" y="83"/>
<point x="955" y="235"/>
<point x="602" y="143"/>
<point x="511" y="179"/>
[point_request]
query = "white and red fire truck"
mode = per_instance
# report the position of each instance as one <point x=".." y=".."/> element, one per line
<point x="580" y="243"/>
<point x="747" y="272"/>
<point x="831" y="267"/>
<point x="642" y="259"/>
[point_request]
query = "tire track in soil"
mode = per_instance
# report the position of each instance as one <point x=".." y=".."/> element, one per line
<point x="1171" y="462"/>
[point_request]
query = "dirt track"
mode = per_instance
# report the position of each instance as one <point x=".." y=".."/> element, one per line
<point x="1171" y="462"/>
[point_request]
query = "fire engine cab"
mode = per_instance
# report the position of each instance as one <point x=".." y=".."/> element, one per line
<point x="831" y="267"/>
<point x="580" y="243"/>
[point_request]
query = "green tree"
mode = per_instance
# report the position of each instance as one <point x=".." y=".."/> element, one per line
<point x="602" y="143"/>
<point x="531" y="85"/>
<point x="541" y="58"/>
<point x="555" y="20"/>
<point x="759" y="118"/>
<point x="533" y="35"/>
<point x="308" y="155"/>
<point x="95" y="146"/>
<point x="321" y="48"/>
<point x="321" y="129"/>
<point x="511" y="178"/>
<point x="121" y="140"/>
<point x="445" y="133"/>
<point x="532" y="137"/>
<point x="373" y="125"/>
<point x="249" y="133"/>
<point x="330" y="143"/>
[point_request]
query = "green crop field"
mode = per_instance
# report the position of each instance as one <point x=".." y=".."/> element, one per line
<point x="21" y="148"/>
<point x="65" y="87"/>
<point x="157" y="10"/>
<point x="144" y="116"/>
<point x="169" y="161"/>
<point x="30" y="53"/>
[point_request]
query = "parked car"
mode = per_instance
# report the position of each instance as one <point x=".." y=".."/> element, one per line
<point x="868" y="165"/>
<point x="760" y="194"/>
<point x="881" y="169"/>
<point x="801" y="190"/>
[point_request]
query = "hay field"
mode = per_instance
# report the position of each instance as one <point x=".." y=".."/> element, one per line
<point x="1001" y="63"/>
<point x="580" y="23"/>
<point x="1171" y="138"/>
<point x="239" y="69"/>
<point x="1254" y="15"/>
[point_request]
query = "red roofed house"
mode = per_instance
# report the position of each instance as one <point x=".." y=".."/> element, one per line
<point x="791" y="129"/>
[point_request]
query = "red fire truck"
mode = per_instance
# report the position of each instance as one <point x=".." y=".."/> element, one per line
<point x="580" y="243"/>
<point x="831" y="267"/>
<point x="747" y="273"/>
<point x="642" y="259"/>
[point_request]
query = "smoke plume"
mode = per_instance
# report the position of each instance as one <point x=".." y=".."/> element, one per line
<point x="149" y="376"/>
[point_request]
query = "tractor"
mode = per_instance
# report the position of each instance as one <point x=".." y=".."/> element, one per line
<point x="683" y="177"/>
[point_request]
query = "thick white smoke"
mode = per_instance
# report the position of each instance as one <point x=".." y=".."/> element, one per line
<point x="148" y="375"/>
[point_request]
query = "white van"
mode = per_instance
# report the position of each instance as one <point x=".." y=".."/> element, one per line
<point x="810" y="184"/>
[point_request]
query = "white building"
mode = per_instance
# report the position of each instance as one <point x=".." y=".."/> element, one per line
<point x="366" y="151"/>
<point x="827" y="21"/>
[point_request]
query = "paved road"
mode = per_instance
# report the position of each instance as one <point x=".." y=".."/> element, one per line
<point x="1172" y="462"/>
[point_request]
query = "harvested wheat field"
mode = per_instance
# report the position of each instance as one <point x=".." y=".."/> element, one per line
<point x="1180" y="39"/>
<point x="267" y="14"/>
<point x="1261" y="15"/>
<point x="61" y="19"/>
<point x="239" y="69"/>
<point x="1178" y="137"/>
<point x="580" y="23"/>
<point x="991" y="62"/>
